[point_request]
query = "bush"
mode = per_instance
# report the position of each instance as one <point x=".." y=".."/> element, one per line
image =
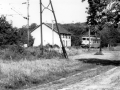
<point x="17" y="49"/>
<point x="48" y="46"/>
<point x="56" y="46"/>
<point x="15" y="52"/>
<point x="50" y="54"/>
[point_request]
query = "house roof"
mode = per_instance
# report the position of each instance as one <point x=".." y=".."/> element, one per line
<point x="61" y="29"/>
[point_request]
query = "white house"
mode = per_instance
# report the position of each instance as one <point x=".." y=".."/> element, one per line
<point x="50" y="35"/>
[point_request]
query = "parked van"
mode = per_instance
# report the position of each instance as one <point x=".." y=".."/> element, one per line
<point x="93" y="41"/>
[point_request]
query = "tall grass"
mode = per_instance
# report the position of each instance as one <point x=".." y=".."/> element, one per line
<point x="26" y="66"/>
<point x="32" y="53"/>
<point x="22" y="73"/>
<point x="17" y="53"/>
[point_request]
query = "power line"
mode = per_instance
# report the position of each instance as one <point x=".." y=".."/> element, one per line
<point x="13" y="9"/>
<point x="19" y="13"/>
<point x="10" y="3"/>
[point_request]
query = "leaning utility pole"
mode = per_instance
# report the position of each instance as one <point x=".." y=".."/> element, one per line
<point x="41" y="11"/>
<point x="28" y="22"/>
<point x="52" y="32"/>
<point x="63" y="48"/>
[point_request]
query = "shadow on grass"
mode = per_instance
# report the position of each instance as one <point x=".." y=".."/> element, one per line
<point x="102" y="62"/>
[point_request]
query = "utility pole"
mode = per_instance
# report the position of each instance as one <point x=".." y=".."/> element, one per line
<point x="89" y="39"/>
<point x="52" y="32"/>
<point x="41" y="33"/>
<point x="63" y="48"/>
<point x="28" y="22"/>
<point x="41" y="27"/>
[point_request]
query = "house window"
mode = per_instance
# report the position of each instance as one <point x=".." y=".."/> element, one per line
<point x="84" y="38"/>
<point x="63" y="42"/>
<point x="69" y="36"/>
<point x="66" y="36"/>
<point x="63" y="35"/>
<point x="66" y="43"/>
<point x="87" y="38"/>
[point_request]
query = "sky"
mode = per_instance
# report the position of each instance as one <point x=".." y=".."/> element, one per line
<point x="66" y="11"/>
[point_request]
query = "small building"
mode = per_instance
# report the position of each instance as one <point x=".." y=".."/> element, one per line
<point x="51" y="36"/>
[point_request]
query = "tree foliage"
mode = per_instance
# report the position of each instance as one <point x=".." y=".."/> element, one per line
<point x="102" y="12"/>
<point x="8" y="34"/>
<point x="24" y="34"/>
<point x="77" y="30"/>
<point x="13" y="36"/>
<point x="32" y="26"/>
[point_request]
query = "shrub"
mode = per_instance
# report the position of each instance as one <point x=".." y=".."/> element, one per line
<point x="56" y="46"/>
<point x="15" y="52"/>
<point x="16" y="49"/>
<point x="50" y="54"/>
<point x="48" y="46"/>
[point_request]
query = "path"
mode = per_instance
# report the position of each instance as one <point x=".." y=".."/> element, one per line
<point x="109" y="55"/>
<point x="110" y="80"/>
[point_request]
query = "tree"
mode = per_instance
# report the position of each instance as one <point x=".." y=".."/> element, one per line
<point x="32" y="26"/>
<point x="110" y="36"/>
<point x="8" y="34"/>
<point x="24" y="35"/>
<point x="77" y="30"/>
<point x="102" y="12"/>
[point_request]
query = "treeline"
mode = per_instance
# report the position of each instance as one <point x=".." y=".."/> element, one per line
<point x="110" y="34"/>
<point x="10" y="35"/>
<point x="77" y="30"/>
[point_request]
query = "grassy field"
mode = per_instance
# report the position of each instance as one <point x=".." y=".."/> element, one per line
<point x="25" y="67"/>
<point x="24" y="73"/>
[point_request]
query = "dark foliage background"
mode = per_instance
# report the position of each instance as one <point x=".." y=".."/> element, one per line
<point x="110" y="34"/>
<point x="77" y="30"/>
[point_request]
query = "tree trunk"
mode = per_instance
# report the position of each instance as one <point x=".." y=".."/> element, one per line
<point x="100" y="49"/>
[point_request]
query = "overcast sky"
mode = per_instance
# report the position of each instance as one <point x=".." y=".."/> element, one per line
<point x="67" y="11"/>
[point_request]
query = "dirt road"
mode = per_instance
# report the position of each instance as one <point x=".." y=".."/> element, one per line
<point x="110" y="80"/>
<point x="109" y="55"/>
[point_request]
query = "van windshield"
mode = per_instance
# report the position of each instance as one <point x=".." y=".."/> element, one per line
<point x="83" y="38"/>
<point x="87" y="38"/>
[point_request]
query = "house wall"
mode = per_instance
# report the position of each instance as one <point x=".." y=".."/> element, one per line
<point x="47" y="36"/>
<point x="50" y="37"/>
<point x="66" y="40"/>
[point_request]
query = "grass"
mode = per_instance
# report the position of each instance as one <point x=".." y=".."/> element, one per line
<point x="26" y="73"/>
<point x="18" y="53"/>
<point x="27" y="67"/>
<point x="34" y="53"/>
<point x="98" y="53"/>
